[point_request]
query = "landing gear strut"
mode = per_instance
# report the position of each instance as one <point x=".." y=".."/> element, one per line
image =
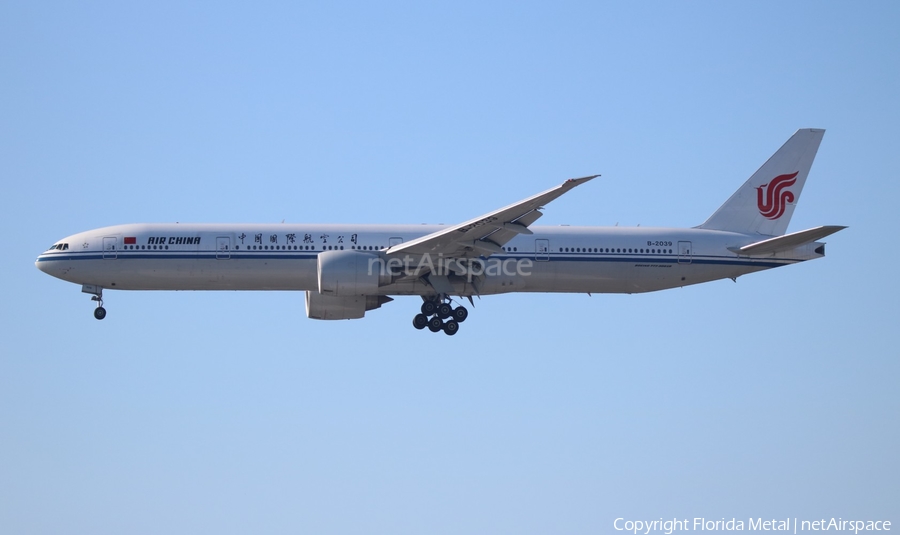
<point x="97" y="293"/>
<point x="437" y="309"/>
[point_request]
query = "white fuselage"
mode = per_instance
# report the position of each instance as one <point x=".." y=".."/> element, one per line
<point x="284" y="257"/>
<point x="347" y="270"/>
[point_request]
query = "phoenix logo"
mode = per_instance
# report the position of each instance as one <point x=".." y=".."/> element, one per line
<point x="776" y="196"/>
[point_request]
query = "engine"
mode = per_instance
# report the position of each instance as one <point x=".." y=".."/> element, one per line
<point x="351" y="307"/>
<point x="348" y="281"/>
<point x="345" y="273"/>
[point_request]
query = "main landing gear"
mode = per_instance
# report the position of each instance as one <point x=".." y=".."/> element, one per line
<point x="435" y="311"/>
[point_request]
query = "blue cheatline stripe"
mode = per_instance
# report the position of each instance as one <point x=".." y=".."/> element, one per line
<point x="312" y="255"/>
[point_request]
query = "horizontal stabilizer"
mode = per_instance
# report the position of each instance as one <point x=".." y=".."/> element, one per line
<point x="786" y="242"/>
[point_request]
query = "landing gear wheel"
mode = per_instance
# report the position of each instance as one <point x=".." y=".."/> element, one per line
<point x="444" y="310"/>
<point x="420" y="321"/>
<point x="99" y="313"/>
<point x="435" y="324"/>
<point x="451" y="328"/>
<point x="460" y="314"/>
<point x="428" y="308"/>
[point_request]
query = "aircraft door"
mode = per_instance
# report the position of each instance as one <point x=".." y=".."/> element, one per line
<point x="223" y="248"/>
<point x="395" y="241"/>
<point x="542" y="250"/>
<point x="109" y="248"/>
<point x="684" y="252"/>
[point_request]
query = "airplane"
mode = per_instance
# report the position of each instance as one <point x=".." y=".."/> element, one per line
<point x="348" y="270"/>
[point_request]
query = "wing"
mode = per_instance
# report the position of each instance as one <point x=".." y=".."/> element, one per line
<point x="485" y="235"/>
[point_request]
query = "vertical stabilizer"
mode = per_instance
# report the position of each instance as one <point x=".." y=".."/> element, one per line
<point x="766" y="202"/>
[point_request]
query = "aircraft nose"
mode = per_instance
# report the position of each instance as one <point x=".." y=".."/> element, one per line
<point x="41" y="264"/>
<point x="50" y="261"/>
<point x="49" y="264"/>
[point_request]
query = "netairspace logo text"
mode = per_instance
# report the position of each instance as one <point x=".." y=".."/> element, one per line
<point x="753" y="524"/>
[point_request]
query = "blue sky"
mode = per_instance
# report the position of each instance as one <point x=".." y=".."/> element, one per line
<point x="231" y="412"/>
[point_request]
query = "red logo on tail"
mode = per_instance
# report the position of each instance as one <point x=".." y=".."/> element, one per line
<point x="777" y="196"/>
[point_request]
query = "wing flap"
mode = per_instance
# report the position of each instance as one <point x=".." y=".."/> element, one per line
<point x="786" y="242"/>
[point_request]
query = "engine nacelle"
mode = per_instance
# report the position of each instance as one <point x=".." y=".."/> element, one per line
<point x="350" y="307"/>
<point x="350" y="273"/>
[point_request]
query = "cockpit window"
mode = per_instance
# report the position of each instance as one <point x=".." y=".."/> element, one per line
<point x="59" y="247"/>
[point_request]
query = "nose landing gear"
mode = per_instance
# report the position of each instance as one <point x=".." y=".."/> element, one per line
<point x="433" y="313"/>
<point x="97" y="293"/>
